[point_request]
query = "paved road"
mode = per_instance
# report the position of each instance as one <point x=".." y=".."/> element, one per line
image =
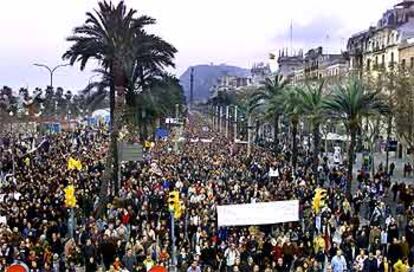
<point x="399" y="164"/>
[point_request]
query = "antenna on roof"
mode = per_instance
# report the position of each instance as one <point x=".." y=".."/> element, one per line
<point x="291" y="35"/>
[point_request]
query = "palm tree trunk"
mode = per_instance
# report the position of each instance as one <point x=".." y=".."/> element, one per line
<point x="351" y="154"/>
<point x="145" y="129"/>
<point x="276" y="136"/>
<point x="113" y="149"/>
<point x="316" y="143"/>
<point x="294" y="143"/>
<point x="116" y="102"/>
<point x="372" y="156"/>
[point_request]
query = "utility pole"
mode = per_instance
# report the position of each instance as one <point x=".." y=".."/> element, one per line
<point x="227" y="121"/>
<point x="291" y="37"/>
<point x="221" y="119"/>
<point x="218" y="119"/>
<point x="191" y="88"/>
<point x="214" y="117"/>
<point x="174" y="255"/>
<point x="235" y="123"/>
<point x="177" y="126"/>
<point x="12" y="145"/>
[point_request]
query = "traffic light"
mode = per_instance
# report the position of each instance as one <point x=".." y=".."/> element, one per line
<point x="178" y="210"/>
<point x="318" y="200"/>
<point x="173" y="200"/>
<point x="175" y="205"/>
<point x="70" y="200"/>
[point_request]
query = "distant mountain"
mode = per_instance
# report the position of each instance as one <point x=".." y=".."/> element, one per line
<point x="205" y="76"/>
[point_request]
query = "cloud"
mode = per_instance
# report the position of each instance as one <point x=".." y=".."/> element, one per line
<point x="236" y="32"/>
<point x="323" y="30"/>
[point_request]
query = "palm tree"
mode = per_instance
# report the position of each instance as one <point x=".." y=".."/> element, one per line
<point x="116" y="38"/>
<point x="267" y="99"/>
<point x="312" y="103"/>
<point x="292" y="108"/>
<point x="159" y="100"/>
<point x="350" y="103"/>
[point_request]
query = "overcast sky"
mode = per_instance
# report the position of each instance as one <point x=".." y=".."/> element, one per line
<point x="204" y="31"/>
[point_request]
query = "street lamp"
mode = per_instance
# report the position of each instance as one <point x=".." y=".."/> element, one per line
<point x="12" y="143"/>
<point x="51" y="71"/>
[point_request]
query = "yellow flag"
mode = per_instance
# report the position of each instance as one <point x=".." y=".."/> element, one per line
<point x="70" y="200"/>
<point x="74" y="164"/>
<point x="78" y="165"/>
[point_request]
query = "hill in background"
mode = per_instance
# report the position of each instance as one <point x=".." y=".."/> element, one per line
<point x="205" y="76"/>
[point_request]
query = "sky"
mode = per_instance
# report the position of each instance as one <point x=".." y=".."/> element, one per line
<point x="234" y="32"/>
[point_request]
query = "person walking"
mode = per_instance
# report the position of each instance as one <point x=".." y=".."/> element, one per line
<point x="338" y="262"/>
<point x="231" y="254"/>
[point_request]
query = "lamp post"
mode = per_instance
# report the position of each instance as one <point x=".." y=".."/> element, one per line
<point x="235" y="123"/>
<point x="176" y="130"/>
<point x="51" y="70"/>
<point x="12" y="143"/>
<point x="227" y="121"/>
<point x="249" y="135"/>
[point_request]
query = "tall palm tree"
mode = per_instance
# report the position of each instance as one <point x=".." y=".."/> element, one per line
<point x="292" y="108"/>
<point x="312" y="99"/>
<point x="350" y="103"/>
<point x="116" y="38"/>
<point x="267" y="99"/>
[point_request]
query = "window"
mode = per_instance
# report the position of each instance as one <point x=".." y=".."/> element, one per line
<point x="403" y="64"/>
<point x="383" y="61"/>
<point x="392" y="60"/>
<point x="376" y="61"/>
<point x="412" y="63"/>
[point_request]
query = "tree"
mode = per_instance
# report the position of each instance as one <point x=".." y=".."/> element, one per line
<point x="349" y="103"/>
<point x="267" y="99"/>
<point x="116" y="38"/>
<point x="312" y="99"/>
<point x="157" y="101"/>
<point x="404" y="108"/>
<point x="292" y="108"/>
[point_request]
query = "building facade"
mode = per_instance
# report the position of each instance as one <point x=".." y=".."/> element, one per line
<point x="406" y="54"/>
<point x="289" y="63"/>
<point x="379" y="46"/>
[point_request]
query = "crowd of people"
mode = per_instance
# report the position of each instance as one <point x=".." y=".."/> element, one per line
<point x="372" y="230"/>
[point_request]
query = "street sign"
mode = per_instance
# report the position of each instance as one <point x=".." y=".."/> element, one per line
<point x="130" y="152"/>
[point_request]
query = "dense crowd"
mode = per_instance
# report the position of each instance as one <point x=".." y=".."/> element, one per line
<point x="372" y="230"/>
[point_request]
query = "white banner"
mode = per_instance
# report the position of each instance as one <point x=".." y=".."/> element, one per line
<point x="258" y="213"/>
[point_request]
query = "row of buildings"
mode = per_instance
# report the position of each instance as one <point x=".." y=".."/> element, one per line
<point x="389" y="43"/>
<point x="226" y="83"/>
